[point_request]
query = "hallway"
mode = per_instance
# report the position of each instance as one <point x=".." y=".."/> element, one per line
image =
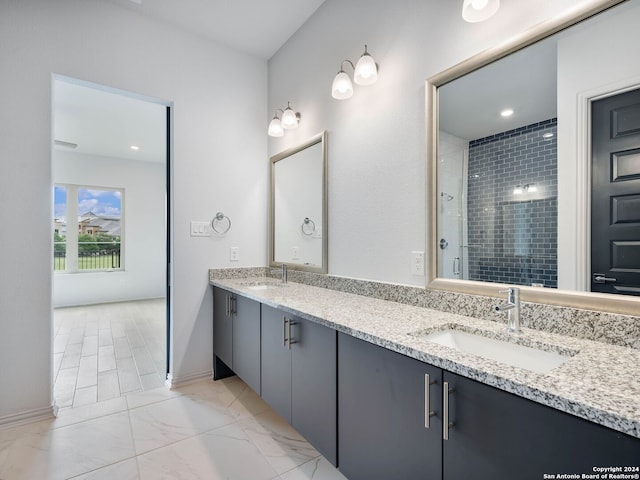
<point x="105" y="351"/>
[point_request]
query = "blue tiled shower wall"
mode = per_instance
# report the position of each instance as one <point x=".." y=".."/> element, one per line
<point x="513" y="237"/>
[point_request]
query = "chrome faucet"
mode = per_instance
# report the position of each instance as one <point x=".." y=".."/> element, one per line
<point x="284" y="273"/>
<point x="512" y="307"/>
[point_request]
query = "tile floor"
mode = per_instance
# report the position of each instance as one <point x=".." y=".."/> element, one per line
<point x="104" y="351"/>
<point x="207" y="430"/>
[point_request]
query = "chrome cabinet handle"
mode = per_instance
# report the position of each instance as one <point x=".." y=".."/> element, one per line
<point x="291" y="341"/>
<point x="284" y="331"/>
<point x="227" y="309"/>
<point x="427" y="411"/>
<point x="233" y="305"/>
<point x="445" y="410"/>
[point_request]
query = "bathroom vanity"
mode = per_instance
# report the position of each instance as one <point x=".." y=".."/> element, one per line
<point x="364" y="382"/>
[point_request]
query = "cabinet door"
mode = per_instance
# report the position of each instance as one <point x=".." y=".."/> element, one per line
<point x="276" y="362"/>
<point x="381" y="414"/>
<point x="222" y="327"/>
<point x="246" y="341"/>
<point x="314" y="385"/>
<point x="498" y="435"/>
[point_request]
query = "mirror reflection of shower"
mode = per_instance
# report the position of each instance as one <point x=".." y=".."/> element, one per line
<point x="452" y="206"/>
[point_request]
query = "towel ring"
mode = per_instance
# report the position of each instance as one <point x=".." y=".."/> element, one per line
<point x="219" y="219"/>
<point x="310" y="226"/>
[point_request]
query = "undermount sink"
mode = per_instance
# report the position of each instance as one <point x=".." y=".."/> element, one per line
<point x="521" y="356"/>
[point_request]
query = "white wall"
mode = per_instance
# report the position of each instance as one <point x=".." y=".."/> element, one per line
<point x="220" y="162"/>
<point x="144" y="245"/>
<point x="376" y="138"/>
<point x="611" y="49"/>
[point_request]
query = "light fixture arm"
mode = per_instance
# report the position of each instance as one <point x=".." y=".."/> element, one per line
<point x="350" y="63"/>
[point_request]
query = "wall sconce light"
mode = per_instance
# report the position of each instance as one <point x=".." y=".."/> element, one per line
<point x="289" y="121"/>
<point x="474" y="11"/>
<point x="365" y="72"/>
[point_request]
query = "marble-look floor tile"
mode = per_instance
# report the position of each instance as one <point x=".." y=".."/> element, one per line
<point x="69" y="416"/>
<point x="108" y="385"/>
<point x="106" y="358"/>
<point x="128" y="375"/>
<point x="316" y="469"/>
<point x="144" y="362"/>
<point x="85" y="396"/>
<point x="127" y="470"/>
<point x="163" y="423"/>
<point x="122" y="348"/>
<point x="151" y="381"/>
<point x="104" y="336"/>
<point x="284" y="448"/>
<point x="62" y="453"/>
<point x="90" y="345"/>
<point x="140" y="399"/>
<point x="88" y="371"/>
<point x="224" y="453"/>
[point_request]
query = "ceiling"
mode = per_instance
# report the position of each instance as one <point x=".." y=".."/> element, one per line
<point x="108" y="123"/>
<point x="524" y="81"/>
<point x="257" y="27"/>
<point x="99" y="121"/>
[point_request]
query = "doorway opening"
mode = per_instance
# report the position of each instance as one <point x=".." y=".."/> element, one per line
<point x="111" y="251"/>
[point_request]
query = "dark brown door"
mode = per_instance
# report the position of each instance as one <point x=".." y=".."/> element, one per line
<point x="615" y="194"/>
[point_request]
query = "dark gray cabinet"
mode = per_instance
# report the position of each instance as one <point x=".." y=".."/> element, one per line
<point x="385" y="430"/>
<point x="499" y="435"/>
<point x="299" y="368"/>
<point x="236" y="337"/>
<point x="490" y="433"/>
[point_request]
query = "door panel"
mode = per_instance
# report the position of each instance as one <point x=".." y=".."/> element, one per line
<point x="314" y="395"/>
<point x="246" y="341"/>
<point x="276" y="363"/>
<point x="222" y="327"/>
<point x="615" y="194"/>
<point x="382" y="429"/>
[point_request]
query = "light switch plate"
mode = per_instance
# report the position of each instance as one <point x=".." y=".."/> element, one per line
<point x="234" y="254"/>
<point x="295" y="253"/>
<point x="417" y="263"/>
<point x="200" y="229"/>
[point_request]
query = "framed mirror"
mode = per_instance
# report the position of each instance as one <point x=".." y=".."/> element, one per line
<point x="298" y="213"/>
<point x="512" y="137"/>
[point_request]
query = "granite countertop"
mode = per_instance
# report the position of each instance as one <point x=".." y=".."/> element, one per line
<point x="599" y="382"/>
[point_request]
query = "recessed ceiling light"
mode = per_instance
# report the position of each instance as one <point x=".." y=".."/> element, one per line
<point x="507" y="112"/>
<point x="134" y="147"/>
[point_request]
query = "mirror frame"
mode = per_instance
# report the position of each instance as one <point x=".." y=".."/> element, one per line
<point x="319" y="138"/>
<point x="586" y="300"/>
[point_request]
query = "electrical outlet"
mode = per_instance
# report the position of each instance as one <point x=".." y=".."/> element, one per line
<point x="417" y="263"/>
<point x="295" y="253"/>
<point x="234" y="254"/>
<point x="200" y="229"/>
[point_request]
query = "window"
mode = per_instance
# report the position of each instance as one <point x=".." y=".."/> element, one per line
<point x="87" y="225"/>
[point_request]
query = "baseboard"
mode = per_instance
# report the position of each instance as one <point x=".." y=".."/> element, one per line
<point x="182" y="380"/>
<point x="30" y="416"/>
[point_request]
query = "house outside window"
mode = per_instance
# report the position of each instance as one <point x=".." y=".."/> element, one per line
<point x="88" y="228"/>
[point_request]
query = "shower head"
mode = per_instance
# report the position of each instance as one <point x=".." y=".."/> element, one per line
<point x="446" y="196"/>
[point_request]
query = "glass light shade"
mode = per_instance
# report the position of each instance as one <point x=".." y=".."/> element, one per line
<point x="342" y="87"/>
<point x="517" y="190"/>
<point x="531" y="188"/>
<point x="275" y="128"/>
<point x="474" y="11"/>
<point x="289" y="119"/>
<point x="366" y="70"/>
